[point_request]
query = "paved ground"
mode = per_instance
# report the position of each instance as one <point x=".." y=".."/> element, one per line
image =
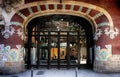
<point x="62" y="73"/>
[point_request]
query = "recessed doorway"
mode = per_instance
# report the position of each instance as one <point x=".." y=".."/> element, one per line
<point x="59" y="41"/>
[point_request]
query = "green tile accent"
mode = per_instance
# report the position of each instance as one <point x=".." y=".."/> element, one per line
<point x="72" y="7"/>
<point x="88" y="11"/>
<point x="104" y="24"/>
<point x="38" y="8"/>
<point x="16" y="23"/>
<point x="63" y="7"/>
<point x="30" y="10"/>
<point x="47" y="7"/>
<point x="80" y="8"/>
<point x="21" y="15"/>
<point x="55" y="6"/>
<point x="97" y="15"/>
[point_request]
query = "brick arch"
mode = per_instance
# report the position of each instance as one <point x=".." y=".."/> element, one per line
<point x="96" y="15"/>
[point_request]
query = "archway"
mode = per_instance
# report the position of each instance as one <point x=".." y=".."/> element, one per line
<point x="60" y="40"/>
<point x="100" y="19"/>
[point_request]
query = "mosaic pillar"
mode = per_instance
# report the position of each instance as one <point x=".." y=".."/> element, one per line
<point x="104" y="45"/>
<point x="11" y="50"/>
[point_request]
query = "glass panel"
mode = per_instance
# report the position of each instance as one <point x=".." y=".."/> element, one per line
<point x="33" y="50"/>
<point x="54" y="56"/>
<point x="83" y="51"/>
<point x="63" y="46"/>
<point x="73" y="50"/>
<point x="43" y="50"/>
<point x="63" y="33"/>
<point x="33" y="55"/>
<point x="73" y="33"/>
<point x="43" y="33"/>
<point x="53" y="33"/>
<point x="54" y="50"/>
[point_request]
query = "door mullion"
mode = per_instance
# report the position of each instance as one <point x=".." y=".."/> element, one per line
<point x="88" y="46"/>
<point x="58" y="49"/>
<point x="29" y="49"/>
<point x="78" y="48"/>
<point x="68" y="49"/>
<point x="38" y="48"/>
<point x="49" y="49"/>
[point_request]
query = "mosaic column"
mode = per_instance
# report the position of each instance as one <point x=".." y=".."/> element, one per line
<point x="104" y="49"/>
<point x="11" y="50"/>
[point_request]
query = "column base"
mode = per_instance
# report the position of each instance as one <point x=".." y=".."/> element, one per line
<point x="12" y="68"/>
<point x="112" y="65"/>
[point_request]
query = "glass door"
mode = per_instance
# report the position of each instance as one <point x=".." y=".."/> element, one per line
<point x="83" y="50"/>
<point x="74" y="49"/>
<point x="43" y="48"/>
<point x="63" y="48"/>
<point x="54" y="48"/>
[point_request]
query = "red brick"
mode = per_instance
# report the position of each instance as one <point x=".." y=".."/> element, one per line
<point x="68" y="7"/>
<point x="76" y="8"/>
<point x="59" y="6"/>
<point x="25" y="12"/>
<point x="43" y="7"/>
<point x="51" y="6"/>
<point x="34" y="9"/>
<point x="84" y="9"/>
<point x="17" y="18"/>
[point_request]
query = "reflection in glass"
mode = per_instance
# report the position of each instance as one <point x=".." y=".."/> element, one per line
<point x="83" y="51"/>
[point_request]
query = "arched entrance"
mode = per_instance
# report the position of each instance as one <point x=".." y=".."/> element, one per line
<point x="102" y="27"/>
<point x="60" y="40"/>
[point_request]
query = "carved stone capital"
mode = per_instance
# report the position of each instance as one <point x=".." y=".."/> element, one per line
<point x="9" y="4"/>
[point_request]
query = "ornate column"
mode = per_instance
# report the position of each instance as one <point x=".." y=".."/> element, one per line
<point x="104" y="46"/>
<point x="11" y="45"/>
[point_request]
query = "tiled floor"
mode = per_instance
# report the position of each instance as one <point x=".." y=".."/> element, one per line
<point x="62" y="73"/>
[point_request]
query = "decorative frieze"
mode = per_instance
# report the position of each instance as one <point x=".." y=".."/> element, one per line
<point x="98" y="34"/>
<point x="97" y="15"/>
<point x="88" y="11"/>
<point x="16" y="23"/>
<point x="102" y="54"/>
<point x="9" y="31"/>
<point x="103" y="24"/>
<point x="9" y="54"/>
<point x="30" y="10"/>
<point x="38" y="8"/>
<point x="112" y="33"/>
<point x="21" y="15"/>
<point x="20" y="33"/>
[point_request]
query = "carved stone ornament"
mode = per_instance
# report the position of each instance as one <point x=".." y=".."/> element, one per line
<point x="9" y="31"/>
<point x="112" y="33"/>
<point x="98" y="34"/>
<point x="9" y="4"/>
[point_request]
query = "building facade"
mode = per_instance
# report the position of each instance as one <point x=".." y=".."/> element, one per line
<point x="56" y="33"/>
